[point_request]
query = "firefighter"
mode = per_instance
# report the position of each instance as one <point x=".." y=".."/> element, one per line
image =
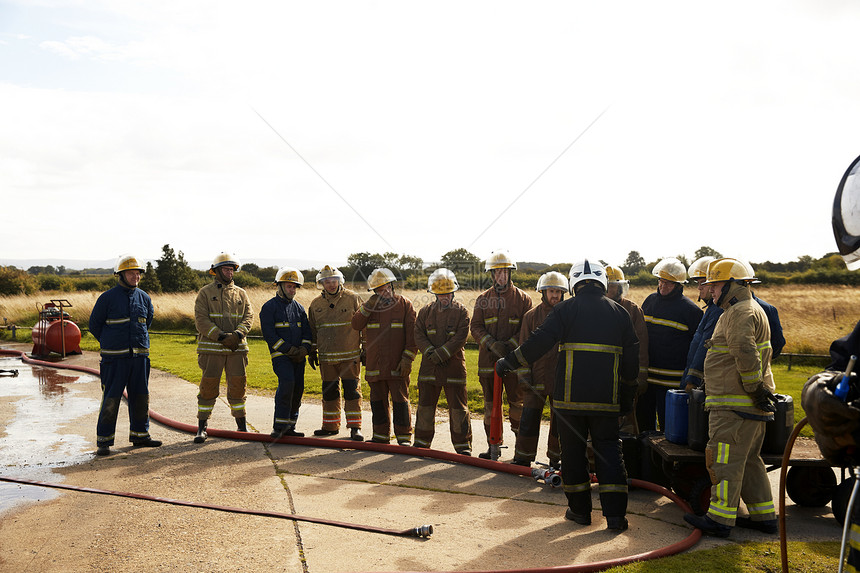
<point x="337" y="349"/>
<point x="388" y="321"/>
<point x="617" y="288"/>
<point x="120" y="321"/>
<point x="694" y="373"/>
<point x="440" y="333"/>
<point x="223" y="315"/>
<point x="595" y="383"/>
<point x="672" y="319"/>
<point x="739" y="398"/>
<point x="537" y="380"/>
<point x="495" y="326"/>
<point x="287" y="333"/>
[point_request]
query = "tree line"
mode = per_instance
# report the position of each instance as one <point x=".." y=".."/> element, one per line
<point x="171" y="273"/>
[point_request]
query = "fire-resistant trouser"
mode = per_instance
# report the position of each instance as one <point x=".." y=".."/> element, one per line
<point x="651" y="402"/>
<point x="348" y="373"/>
<point x="233" y="365"/>
<point x="288" y="396"/>
<point x="510" y="384"/>
<point x="527" y="439"/>
<point x="573" y="433"/>
<point x="854" y="544"/>
<point x="737" y="471"/>
<point x="398" y="388"/>
<point x="118" y="374"/>
<point x="458" y="415"/>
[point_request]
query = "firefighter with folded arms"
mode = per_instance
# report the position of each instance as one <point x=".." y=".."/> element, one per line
<point x="223" y="316"/>
<point x="617" y="288"/>
<point x="495" y="326"/>
<point x="672" y="319"/>
<point x="595" y="383"/>
<point x="440" y="333"/>
<point x="739" y="398"/>
<point x="120" y="321"/>
<point x="287" y="333"/>
<point x="336" y="348"/>
<point x="388" y="321"/>
<point x="538" y="380"/>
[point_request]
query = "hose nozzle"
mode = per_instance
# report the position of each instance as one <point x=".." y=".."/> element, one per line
<point x="550" y="477"/>
<point x="421" y="531"/>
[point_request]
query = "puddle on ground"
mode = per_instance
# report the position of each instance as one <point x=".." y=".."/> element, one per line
<point x="39" y="399"/>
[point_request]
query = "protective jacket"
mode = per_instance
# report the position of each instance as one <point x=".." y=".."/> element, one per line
<point x="445" y="330"/>
<point x="330" y="319"/>
<point x="694" y="373"/>
<point x="599" y="354"/>
<point x="541" y="374"/>
<point x="672" y="321"/>
<point x="284" y="324"/>
<point x="389" y="337"/>
<point x="221" y="308"/>
<point x="497" y="318"/>
<point x="640" y="327"/>
<point x="739" y="354"/>
<point x="120" y="321"/>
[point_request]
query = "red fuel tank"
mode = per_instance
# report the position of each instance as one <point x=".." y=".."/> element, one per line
<point x="55" y="332"/>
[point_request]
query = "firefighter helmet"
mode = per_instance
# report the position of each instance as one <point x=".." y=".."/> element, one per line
<point x="552" y="279"/>
<point x="586" y="270"/>
<point x="615" y="276"/>
<point x="127" y="263"/>
<point x="699" y="268"/>
<point x="442" y="281"/>
<point x="380" y="277"/>
<point x="499" y="260"/>
<point x="290" y="275"/>
<point x="224" y="259"/>
<point x="329" y="272"/>
<point x="670" y="269"/>
<point x="727" y="269"/>
<point x="846" y="216"/>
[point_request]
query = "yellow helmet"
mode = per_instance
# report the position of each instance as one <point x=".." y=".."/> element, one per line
<point x="552" y="279"/>
<point x="499" y="260"/>
<point x="329" y="272"/>
<point x="289" y="275"/>
<point x="670" y="269"/>
<point x="380" y="277"/>
<point x="127" y="263"/>
<point x="699" y="268"/>
<point x="224" y="259"/>
<point x="729" y="269"/>
<point x="442" y="281"/>
<point x="614" y="274"/>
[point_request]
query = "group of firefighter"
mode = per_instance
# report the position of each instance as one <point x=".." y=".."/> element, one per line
<point x="603" y="363"/>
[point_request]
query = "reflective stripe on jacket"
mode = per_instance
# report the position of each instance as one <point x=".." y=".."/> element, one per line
<point x="497" y="317"/>
<point x="120" y="321"/>
<point x="284" y="324"/>
<point x="444" y="329"/>
<point x="221" y="308"/>
<point x="330" y="318"/>
<point x="672" y="321"/>
<point x="389" y="336"/>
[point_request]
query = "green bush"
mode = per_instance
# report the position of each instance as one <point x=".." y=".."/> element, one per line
<point x="246" y="280"/>
<point x="15" y="281"/>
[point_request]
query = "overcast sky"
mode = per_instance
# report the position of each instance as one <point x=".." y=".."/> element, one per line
<point x="306" y="131"/>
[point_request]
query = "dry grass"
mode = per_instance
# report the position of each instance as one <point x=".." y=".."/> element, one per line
<point x="812" y="316"/>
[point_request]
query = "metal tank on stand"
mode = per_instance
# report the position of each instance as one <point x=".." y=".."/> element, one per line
<point x="55" y="333"/>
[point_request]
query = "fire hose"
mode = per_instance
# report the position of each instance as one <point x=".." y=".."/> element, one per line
<point x="420" y="531"/>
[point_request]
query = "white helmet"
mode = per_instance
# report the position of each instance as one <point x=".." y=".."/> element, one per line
<point x="586" y="270"/>
<point x="552" y="279"/>
<point x="670" y="269"/>
<point x="223" y="259"/>
<point x="380" y="277"/>
<point x="290" y="275"/>
<point x="699" y="268"/>
<point x="329" y="272"/>
<point x="499" y="260"/>
<point x="846" y="216"/>
<point x="442" y="281"/>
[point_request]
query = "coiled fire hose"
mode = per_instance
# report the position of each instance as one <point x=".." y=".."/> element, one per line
<point x="420" y="531"/>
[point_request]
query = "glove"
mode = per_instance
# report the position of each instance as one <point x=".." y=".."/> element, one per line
<point x="231" y="341"/>
<point x="437" y="357"/>
<point x="504" y="366"/>
<point x="764" y="399"/>
<point x="372" y="302"/>
<point x="404" y="367"/>
<point x="297" y="354"/>
<point x="313" y="359"/>
<point x="499" y="349"/>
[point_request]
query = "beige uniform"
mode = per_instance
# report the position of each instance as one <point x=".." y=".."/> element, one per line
<point x="628" y="421"/>
<point x="338" y="346"/>
<point x="221" y="309"/>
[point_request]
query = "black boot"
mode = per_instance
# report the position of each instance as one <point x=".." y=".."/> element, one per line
<point x="201" y="432"/>
<point x="147" y="443"/>
<point x="241" y="425"/>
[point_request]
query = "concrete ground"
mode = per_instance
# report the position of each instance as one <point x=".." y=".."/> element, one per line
<point x="482" y="520"/>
